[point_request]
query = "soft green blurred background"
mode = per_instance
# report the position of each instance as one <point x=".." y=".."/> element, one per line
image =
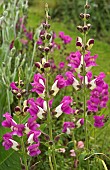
<point x="65" y="17"/>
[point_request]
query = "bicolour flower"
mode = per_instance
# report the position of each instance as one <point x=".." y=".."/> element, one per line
<point x="33" y="150"/>
<point x="67" y="126"/>
<point x="64" y="107"/>
<point x="71" y="80"/>
<point x="98" y="121"/>
<point x="99" y="96"/>
<point x="33" y="136"/>
<point x="76" y="61"/>
<point x="58" y="84"/>
<point x="9" y="122"/>
<point x="35" y="110"/>
<point x="31" y="125"/>
<point x="97" y="82"/>
<point x="18" y="129"/>
<point x="39" y="85"/>
<point x="9" y="142"/>
<point x="80" y="122"/>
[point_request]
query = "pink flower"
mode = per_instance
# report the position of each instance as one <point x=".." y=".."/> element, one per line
<point x="80" y="144"/>
<point x="72" y="153"/>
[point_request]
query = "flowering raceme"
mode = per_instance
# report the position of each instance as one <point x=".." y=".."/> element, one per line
<point x="76" y="61"/>
<point x="29" y="129"/>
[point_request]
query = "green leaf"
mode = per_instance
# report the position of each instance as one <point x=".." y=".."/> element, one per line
<point x="9" y="159"/>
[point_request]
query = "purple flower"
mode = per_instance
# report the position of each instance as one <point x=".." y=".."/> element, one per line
<point x="9" y="142"/>
<point x="29" y="35"/>
<point x="76" y="61"/>
<point x="33" y="150"/>
<point x="71" y="80"/>
<point x="61" y="65"/>
<point x="65" y="38"/>
<point x="35" y="110"/>
<point x="31" y="125"/>
<point x="13" y="86"/>
<point x="99" y="96"/>
<point x="11" y="45"/>
<point x="64" y="107"/>
<point x="33" y="136"/>
<point x="9" y="122"/>
<point x="58" y="84"/>
<point x="18" y="130"/>
<point x="39" y="85"/>
<point x="67" y="126"/>
<point x="98" y="121"/>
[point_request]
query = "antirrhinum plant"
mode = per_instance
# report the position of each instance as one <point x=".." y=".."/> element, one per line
<point x="62" y="134"/>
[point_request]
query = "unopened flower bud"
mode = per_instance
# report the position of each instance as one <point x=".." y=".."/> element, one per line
<point x="16" y="83"/>
<point x="57" y="138"/>
<point x="50" y="142"/>
<point x="87" y="6"/>
<point x="41" y="48"/>
<point x="89" y="26"/>
<point x="82" y="15"/>
<point x="37" y="64"/>
<point x="42" y="37"/>
<point x="48" y="26"/>
<point x="79" y="45"/>
<point x="21" y="83"/>
<point x="87" y="16"/>
<point x="46" y="49"/>
<point x="48" y="36"/>
<point x="89" y="44"/>
<point x="23" y="91"/>
<point x="17" y="109"/>
<point x="25" y="108"/>
<point x="46" y="136"/>
<point x="14" y="91"/>
<point x="85" y="28"/>
<point x="46" y="65"/>
<point x="18" y="95"/>
<point x="80" y="28"/>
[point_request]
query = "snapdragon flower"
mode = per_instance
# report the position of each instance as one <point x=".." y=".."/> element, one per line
<point x="64" y="107"/>
<point x="65" y="38"/>
<point x="67" y="126"/>
<point x="76" y="61"/>
<point x="58" y="84"/>
<point x="98" y="121"/>
<point x="39" y="85"/>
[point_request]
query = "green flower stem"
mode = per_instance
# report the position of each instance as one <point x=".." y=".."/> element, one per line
<point x="49" y="118"/>
<point x="24" y="154"/>
<point x="84" y="91"/>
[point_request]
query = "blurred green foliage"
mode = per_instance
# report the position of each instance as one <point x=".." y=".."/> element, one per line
<point x="68" y="11"/>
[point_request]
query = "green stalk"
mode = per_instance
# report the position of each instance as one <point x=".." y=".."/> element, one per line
<point x="49" y="120"/>
<point x="20" y="120"/>
<point x="84" y="91"/>
<point x="24" y="154"/>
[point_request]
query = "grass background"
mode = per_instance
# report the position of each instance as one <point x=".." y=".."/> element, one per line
<point x="37" y="15"/>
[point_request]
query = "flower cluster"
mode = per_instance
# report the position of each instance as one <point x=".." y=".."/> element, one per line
<point x="30" y="130"/>
<point x="65" y="38"/>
